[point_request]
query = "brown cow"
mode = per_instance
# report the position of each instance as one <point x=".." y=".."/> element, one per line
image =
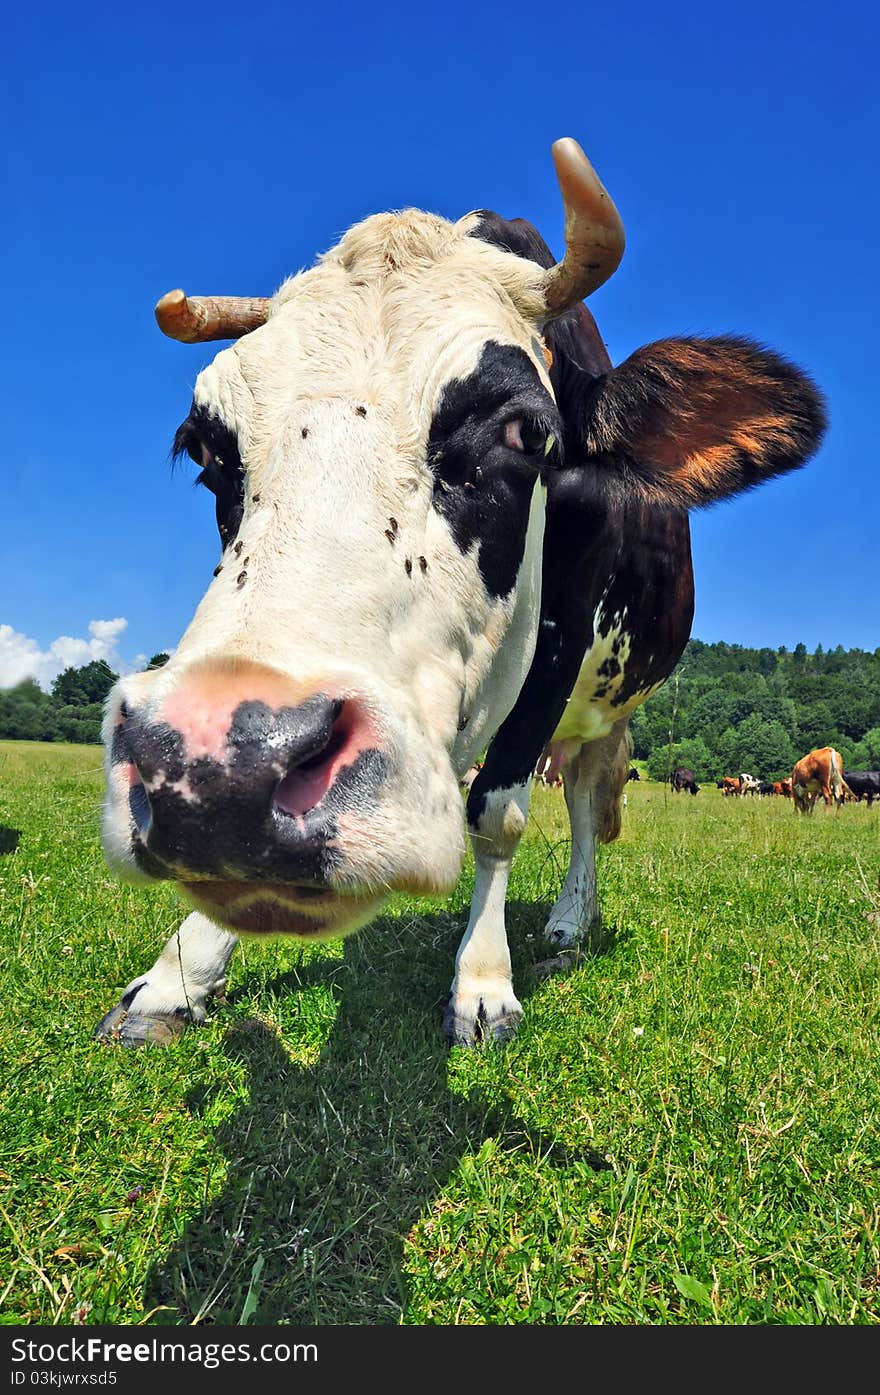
<point x="819" y="772"/>
<point x="730" y="784"/>
<point x="782" y="787"/>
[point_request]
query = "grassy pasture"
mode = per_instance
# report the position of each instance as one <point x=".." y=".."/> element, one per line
<point x="684" y="1132"/>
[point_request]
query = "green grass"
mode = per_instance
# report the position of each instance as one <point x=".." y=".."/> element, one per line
<point x="684" y="1131"/>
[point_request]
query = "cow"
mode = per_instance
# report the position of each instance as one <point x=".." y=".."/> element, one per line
<point x="729" y="784"/>
<point x="633" y="774"/>
<point x="448" y="526"/>
<point x="748" y="784"/>
<point x="782" y="787"/>
<point x="819" y="772"/>
<point x="683" y="779"/>
<point x="765" y="787"/>
<point x="865" y="784"/>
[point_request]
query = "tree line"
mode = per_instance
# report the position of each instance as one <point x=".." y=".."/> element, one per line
<point x="71" y="711"/>
<point x="725" y="709"/>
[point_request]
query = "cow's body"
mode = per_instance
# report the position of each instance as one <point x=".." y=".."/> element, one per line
<point x="433" y="544"/>
<point x="749" y="784"/>
<point x="683" y="779"/>
<point x="819" y="772"/>
<point x="730" y="785"/>
<point x="865" y="784"/>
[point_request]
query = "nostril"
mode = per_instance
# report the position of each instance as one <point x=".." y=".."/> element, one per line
<point x="311" y="776"/>
<point x="139" y="802"/>
<point x="318" y="758"/>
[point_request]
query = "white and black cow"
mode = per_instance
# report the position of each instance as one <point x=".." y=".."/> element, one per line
<point x="448" y="523"/>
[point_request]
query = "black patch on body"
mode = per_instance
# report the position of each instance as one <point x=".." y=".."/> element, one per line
<point x="482" y="488"/>
<point x="232" y="829"/>
<point x="224" y="473"/>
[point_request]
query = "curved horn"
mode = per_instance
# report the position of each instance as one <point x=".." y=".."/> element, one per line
<point x="198" y="319"/>
<point x="594" y="236"/>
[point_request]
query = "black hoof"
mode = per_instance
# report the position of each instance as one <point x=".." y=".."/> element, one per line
<point x="484" y="1031"/>
<point x="121" y="1027"/>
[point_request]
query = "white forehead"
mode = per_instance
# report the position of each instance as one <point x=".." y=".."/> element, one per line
<point x="403" y="304"/>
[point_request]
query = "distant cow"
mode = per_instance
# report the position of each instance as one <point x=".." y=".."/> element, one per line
<point x="749" y="785"/>
<point x="865" y="784"/>
<point x="449" y="525"/>
<point x="765" y="787"/>
<point x="729" y="784"/>
<point x="633" y="774"/>
<point x="819" y="772"/>
<point x="683" y="779"/>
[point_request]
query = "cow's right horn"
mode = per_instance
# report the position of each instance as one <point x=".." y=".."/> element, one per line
<point x="199" y="319"/>
<point x="594" y="236"/>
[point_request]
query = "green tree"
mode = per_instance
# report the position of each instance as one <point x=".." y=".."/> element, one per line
<point x="78" y="687"/>
<point x="692" y="753"/>
<point x="870" y="744"/>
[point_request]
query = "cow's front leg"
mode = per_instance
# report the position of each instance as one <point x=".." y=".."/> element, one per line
<point x="156" y="1007"/>
<point x="482" y="1005"/>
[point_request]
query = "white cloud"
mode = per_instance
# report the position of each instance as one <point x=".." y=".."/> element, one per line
<point x="22" y="657"/>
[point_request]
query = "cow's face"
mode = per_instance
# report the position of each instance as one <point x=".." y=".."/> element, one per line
<point x="376" y="450"/>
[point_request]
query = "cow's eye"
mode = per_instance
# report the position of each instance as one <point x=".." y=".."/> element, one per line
<point x="211" y="473"/>
<point x="527" y="437"/>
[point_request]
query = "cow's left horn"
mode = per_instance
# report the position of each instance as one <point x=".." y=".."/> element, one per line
<point x="198" y="319"/>
<point x="594" y="236"/>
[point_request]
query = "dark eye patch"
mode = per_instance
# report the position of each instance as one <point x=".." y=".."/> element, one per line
<point x="482" y="487"/>
<point x="223" y="474"/>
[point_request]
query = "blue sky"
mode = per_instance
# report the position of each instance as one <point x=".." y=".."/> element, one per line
<point x="222" y="147"/>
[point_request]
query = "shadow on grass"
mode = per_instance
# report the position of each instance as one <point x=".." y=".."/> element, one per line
<point x="332" y="1164"/>
<point x="8" y="838"/>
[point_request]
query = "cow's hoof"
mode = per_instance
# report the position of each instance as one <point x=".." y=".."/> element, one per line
<point x="574" y="935"/>
<point x="121" y="1027"/>
<point x="464" y="1026"/>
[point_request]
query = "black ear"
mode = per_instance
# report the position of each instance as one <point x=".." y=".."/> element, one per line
<point x="688" y="421"/>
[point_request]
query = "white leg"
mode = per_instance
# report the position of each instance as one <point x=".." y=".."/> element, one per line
<point x="482" y="1004"/>
<point x="157" y="1006"/>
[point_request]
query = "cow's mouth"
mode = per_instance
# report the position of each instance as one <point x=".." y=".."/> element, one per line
<point x="267" y="908"/>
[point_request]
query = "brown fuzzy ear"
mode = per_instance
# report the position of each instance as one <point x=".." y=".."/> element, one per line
<point x="694" y="420"/>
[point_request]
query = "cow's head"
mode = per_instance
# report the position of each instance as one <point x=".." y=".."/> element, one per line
<point x="377" y="440"/>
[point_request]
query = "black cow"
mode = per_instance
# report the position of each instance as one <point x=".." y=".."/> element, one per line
<point x="683" y="779"/>
<point x="633" y="774"/>
<point x="449" y="525"/>
<point x="865" y="784"/>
